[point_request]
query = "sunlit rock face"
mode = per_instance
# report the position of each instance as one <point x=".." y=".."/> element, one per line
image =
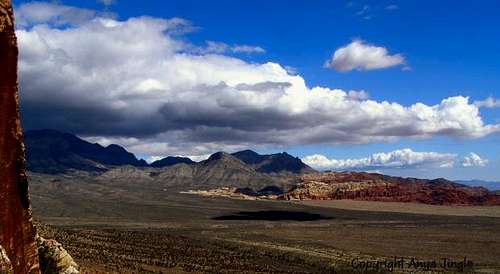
<point x="378" y="187"/>
<point x="54" y="258"/>
<point x="5" y="264"/>
<point x="17" y="234"/>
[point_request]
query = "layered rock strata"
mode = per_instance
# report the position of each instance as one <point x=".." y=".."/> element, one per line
<point x="378" y="187"/>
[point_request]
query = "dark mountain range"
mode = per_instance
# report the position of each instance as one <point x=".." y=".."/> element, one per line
<point x="249" y="156"/>
<point x="172" y="160"/>
<point x="53" y="152"/>
<point x="50" y="151"/>
<point x="220" y="169"/>
<point x="273" y="163"/>
<point x="493" y="186"/>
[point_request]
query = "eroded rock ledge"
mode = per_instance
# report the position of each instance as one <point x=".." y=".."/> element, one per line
<point x="54" y="258"/>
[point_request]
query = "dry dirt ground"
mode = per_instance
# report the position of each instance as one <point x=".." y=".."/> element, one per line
<point x="413" y="208"/>
<point x="111" y="231"/>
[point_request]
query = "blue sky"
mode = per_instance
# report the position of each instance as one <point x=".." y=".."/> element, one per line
<point x="452" y="46"/>
<point x="449" y="47"/>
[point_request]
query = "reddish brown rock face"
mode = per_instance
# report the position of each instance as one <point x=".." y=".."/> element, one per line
<point x="377" y="187"/>
<point x="17" y="234"/>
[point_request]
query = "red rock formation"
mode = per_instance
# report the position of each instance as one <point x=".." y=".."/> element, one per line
<point x="17" y="234"/>
<point x="377" y="187"/>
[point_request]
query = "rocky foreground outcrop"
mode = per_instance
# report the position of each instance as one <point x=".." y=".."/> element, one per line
<point x="5" y="264"/>
<point x="54" y="258"/>
<point x="17" y="233"/>
<point x="378" y="187"/>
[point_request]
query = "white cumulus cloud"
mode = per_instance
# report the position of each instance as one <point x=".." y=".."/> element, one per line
<point x="362" y="56"/>
<point x="403" y="158"/>
<point x="474" y="160"/>
<point x="137" y="82"/>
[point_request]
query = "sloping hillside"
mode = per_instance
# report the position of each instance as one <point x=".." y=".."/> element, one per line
<point x="273" y="163"/>
<point x="50" y="151"/>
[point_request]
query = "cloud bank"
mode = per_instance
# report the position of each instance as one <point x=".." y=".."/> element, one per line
<point x="403" y="158"/>
<point x="137" y="82"/>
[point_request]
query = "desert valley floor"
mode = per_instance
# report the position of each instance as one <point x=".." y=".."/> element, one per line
<point x="168" y="232"/>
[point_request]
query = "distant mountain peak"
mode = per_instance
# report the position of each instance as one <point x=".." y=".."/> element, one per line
<point x="51" y="151"/>
<point x="247" y="152"/>
<point x="115" y="146"/>
<point x="172" y="160"/>
<point x="491" y="185"/>
<point x="249" y="156"/>
<point x="219" y="155"/>
<point x="273" y="163"/>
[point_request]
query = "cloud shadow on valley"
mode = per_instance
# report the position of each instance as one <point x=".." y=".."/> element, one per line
<point x="272" y="215"/>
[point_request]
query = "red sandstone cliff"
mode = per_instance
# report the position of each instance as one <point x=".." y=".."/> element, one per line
<point x="17" y="234"/>
<point x="377" y="187"/>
